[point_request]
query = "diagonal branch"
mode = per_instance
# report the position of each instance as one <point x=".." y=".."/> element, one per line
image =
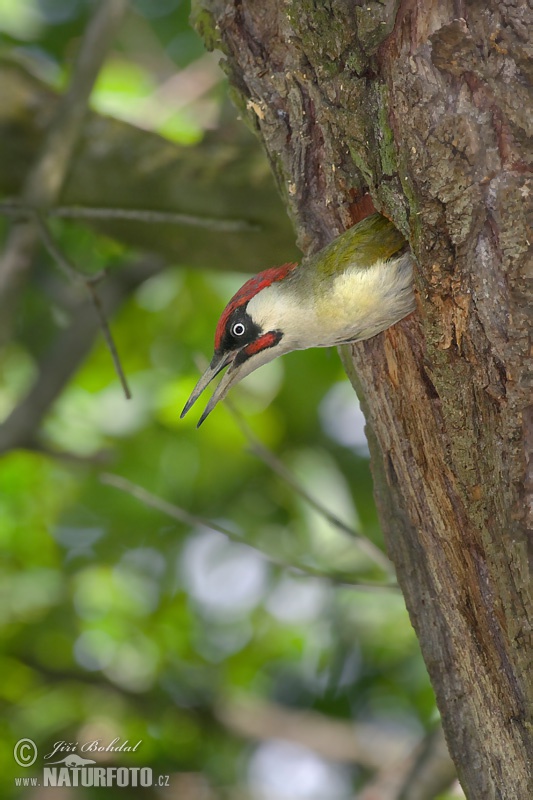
<point x="45" y="180"/>
<point x="88" y="282"/>
<point x="71" y="346"/>
<point x="181" y="515"/>
<point x="258" y="449"/>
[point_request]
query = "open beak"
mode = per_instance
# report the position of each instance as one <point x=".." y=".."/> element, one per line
<point x="217" y="365"/>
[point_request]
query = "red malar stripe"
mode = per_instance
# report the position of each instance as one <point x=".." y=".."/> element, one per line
<point x="266" y="340"/>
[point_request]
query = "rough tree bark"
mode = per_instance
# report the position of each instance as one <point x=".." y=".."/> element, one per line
<point x="422" y="109"/>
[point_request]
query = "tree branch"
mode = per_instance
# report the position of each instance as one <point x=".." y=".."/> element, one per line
<point x="71" y="346"/>
<point x="45" y="179"/>
<point x="179" y="514"/>
<point x="221" y="184"/>
<point x="258" y="449"/>
<point x="422" y="774"/>
<point x="217" y="225"/>
<point x="88" y="282"/>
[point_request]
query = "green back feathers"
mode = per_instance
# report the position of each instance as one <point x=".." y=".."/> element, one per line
<point x="373" y="239"/>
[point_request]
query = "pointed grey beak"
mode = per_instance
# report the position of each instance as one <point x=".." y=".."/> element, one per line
<point x="217" y="365"/>
<point x="239" y="363"/>
<point x="232" y="376"/>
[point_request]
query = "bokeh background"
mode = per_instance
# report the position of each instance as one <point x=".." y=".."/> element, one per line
<point x="258" y="665"/>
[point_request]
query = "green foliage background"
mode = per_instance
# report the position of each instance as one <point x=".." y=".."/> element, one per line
<point x="118" y="621"/>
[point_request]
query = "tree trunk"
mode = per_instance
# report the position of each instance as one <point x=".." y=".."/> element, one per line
<point x="422" y="110"/>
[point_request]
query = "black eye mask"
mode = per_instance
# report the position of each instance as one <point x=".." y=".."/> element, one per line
<point x="232" y="341"/>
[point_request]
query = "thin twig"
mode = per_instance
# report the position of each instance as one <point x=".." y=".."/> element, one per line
<point x="258" y="449"/>
<point x="433" y="770"/>
<point x="422" y="774"/>
<point x="76" y="275"/>
<point x="71" y="272"/>
<point x="179" y="514"/>
<point x="68" y="269"/>
<point x="153" y="217"/>
<point x="18" y="211"/>
<point x="15" y="208"/>
<point x="66" y="353"/>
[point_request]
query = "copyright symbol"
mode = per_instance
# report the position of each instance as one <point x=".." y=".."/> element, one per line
<point x="25" y="752"/>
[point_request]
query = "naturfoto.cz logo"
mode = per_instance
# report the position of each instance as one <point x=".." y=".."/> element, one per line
<point x="73" y="770"/>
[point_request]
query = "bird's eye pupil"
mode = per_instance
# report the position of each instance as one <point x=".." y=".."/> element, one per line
<point x="238" y="329"/>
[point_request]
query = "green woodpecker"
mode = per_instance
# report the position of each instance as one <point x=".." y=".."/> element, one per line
<point x="351" y="290"/>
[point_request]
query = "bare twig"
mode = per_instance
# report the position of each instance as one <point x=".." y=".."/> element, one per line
<point x="258" y="449"/>
<point x="17" y="209"/>
<point x="88" y="282"/>
<point x="433" y="770"/>
<point x="45" y="179"/>
<point x="69" y="349"/>
<point x="420" y="775"/>
<point x="76" y="275"/>
<point x="179" y="514"/>
<point x="154" y="217"/>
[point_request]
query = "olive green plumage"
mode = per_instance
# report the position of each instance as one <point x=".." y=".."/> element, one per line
<point x="373" y="239"/>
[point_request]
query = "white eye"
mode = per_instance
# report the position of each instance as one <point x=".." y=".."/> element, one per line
<point x="238" y="329"/>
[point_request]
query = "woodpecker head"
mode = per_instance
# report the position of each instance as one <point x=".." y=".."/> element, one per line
<point x="249" y="333"/>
